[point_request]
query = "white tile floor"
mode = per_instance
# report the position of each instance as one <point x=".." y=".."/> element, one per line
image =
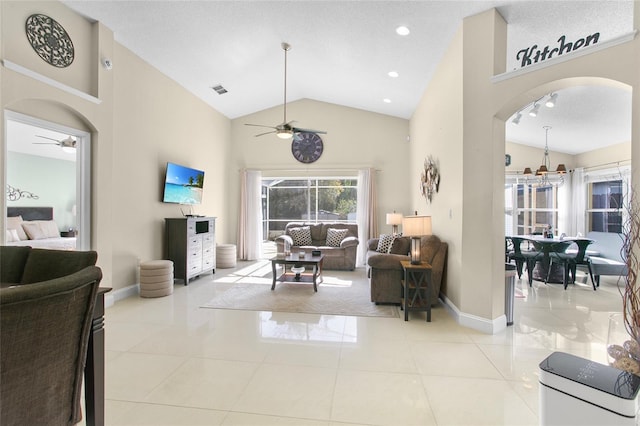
<point x="170" y="362"/>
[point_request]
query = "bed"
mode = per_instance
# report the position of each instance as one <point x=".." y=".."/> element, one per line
<point x="35" y="227"/>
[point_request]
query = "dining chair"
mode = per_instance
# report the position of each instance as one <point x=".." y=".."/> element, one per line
<point x="581" y="258"/>
<point x="558" y="255"/>
<point x="528" y="257"/>
<point x="532" y="257"/>
<point x="515" y="252"/>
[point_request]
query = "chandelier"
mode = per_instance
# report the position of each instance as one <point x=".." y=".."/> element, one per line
<point x="544" y="176"/>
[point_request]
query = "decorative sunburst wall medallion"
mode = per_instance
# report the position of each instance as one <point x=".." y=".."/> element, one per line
<point x="430" y="179"/>
<point x="50" y="40"/>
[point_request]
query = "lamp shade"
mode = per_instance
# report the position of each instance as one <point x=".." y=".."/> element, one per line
<point x="394" y="218"/>
<point x="416" y="226"/>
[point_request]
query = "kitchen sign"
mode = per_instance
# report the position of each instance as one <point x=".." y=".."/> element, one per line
<point x="533" y="54"/>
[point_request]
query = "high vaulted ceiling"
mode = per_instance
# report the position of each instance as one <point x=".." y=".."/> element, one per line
<point x="342" y="52"/>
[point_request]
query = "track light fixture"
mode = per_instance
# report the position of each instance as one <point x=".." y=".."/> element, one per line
<point x="516" y="119"/>
<point x="534" y="110"/>
<point x="535" y="107"/>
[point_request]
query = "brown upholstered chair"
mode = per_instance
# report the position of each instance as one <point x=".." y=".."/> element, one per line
<point x="44" y="334"/>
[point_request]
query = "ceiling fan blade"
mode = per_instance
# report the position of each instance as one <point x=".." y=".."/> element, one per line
<point x="266" y="133"/>
<point x="299" y="130"/>
<point x="51" y="139"/>
<point x="259" y="125"/>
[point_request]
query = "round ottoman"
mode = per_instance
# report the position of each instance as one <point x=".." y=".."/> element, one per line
<point x="156" y="278"/>
<point x="226" y="256"/>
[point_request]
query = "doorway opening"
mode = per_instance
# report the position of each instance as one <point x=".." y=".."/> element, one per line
<point x="49" y="165"/>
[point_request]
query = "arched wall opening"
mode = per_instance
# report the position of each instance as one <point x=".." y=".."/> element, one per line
<point x="35" y="116"/>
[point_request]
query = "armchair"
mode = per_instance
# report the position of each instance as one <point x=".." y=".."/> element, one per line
<point x="385" y="271"/>
<point x="44" y="334"/>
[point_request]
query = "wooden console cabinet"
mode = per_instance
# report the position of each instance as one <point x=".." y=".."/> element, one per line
<point x="191" y="245"/>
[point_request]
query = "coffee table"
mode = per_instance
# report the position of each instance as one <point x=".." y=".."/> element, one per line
<point x="315" y="262"/>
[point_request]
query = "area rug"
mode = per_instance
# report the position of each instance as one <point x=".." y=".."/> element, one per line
<point x="340" y="293"/>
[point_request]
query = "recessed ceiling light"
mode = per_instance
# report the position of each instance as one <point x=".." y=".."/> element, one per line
<point x="402" y="30"/>
<point x="386" y="100"/>
<point x="393" y="74"/>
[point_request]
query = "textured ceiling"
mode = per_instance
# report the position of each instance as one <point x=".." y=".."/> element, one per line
<point x="342" y="51"/>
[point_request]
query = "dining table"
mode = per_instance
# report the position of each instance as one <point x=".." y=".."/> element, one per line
<point x="546" y="245"/>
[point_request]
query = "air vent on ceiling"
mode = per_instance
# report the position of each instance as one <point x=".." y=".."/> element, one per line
<point x="219" y="89"/>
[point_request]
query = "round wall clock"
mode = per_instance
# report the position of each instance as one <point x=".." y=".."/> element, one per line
<point x="50" y="40"/>
<point x="306" y="147"/>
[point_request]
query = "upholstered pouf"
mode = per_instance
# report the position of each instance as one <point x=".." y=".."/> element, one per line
<point x="156" y="278"/>
<point x="226" y="256"/>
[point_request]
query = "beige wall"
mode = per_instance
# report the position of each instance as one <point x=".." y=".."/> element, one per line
<point x="527" y="156"/>
<point x="355" y="139"/>
<point x="440" y="136"/>
<point x="477" y="290"/>
<point x="140" y="120"/>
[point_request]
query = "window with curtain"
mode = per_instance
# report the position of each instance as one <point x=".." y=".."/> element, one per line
<point x="605" y="210"/>
<point x="313" y="199"/>
<point x="530" y="209"/>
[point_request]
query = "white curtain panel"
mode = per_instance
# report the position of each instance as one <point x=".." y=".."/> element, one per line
<point x="250" y="221"/>
<point x="366" y="215"/>
<point x="578" y="203"/>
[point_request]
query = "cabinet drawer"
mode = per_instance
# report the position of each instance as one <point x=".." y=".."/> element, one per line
<point x="207" y="263"/>
<point x="207" y="251"/>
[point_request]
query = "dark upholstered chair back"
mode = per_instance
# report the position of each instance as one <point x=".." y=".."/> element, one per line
<point x="44" y="333"/>
<point x="43" y="264"/>
<point x="12" y="261"/>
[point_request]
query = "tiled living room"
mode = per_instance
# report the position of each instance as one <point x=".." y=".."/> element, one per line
<point x="172" y="362"/>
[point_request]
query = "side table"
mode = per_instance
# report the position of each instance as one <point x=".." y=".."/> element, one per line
<point x="416" y="288"/>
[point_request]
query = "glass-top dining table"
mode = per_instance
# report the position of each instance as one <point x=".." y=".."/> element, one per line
<point x="546" y="246"/>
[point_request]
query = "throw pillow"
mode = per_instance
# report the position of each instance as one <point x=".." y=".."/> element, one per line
<point x="33" y="230"/>
<point x="301" y="236"/>
<point x="12" y="236"/>
<point x="400" y="245"/>
<point x="335" y="236"/>
<point x="49" y="228"/>
<point x="384" y="243"/>
<point x="15" y="222"/>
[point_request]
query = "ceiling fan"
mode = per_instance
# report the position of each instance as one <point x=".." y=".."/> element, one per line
<point x="67" y="145"/>
<point x="286" y="129"/>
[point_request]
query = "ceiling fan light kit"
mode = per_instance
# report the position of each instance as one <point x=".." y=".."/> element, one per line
<point x="68" y="145"/>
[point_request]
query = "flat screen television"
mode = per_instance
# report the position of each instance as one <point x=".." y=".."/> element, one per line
<point x="183" y="185"/>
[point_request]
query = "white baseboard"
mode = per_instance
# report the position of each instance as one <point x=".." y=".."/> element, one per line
<point x="122" y="293"/>
<point x="473" y="321"/>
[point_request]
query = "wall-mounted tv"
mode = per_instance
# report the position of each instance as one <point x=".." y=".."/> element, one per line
<point x="183" y="185"/>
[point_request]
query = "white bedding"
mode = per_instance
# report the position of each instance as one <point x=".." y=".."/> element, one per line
<point x="59" y="243"/>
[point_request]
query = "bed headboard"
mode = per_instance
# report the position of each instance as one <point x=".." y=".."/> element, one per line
<point x="31" y="213"/>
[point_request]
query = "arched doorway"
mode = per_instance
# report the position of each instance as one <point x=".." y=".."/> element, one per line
<point x="41" y="171"/>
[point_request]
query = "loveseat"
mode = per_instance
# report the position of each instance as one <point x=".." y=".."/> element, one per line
<point x="385" y="271"/>
<point x="338" y="242"/>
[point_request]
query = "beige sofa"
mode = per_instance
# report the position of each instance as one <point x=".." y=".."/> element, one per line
<point x="339" y="256"/>
<point x="385" y="271"/>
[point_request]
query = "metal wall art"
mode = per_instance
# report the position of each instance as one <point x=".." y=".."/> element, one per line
<point x="14" y="194"/>
<point x="50" y="40"/>
<point x="430" y="179"/>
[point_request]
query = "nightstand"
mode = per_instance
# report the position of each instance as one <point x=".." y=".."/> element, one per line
<point x="416" y="288"/>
